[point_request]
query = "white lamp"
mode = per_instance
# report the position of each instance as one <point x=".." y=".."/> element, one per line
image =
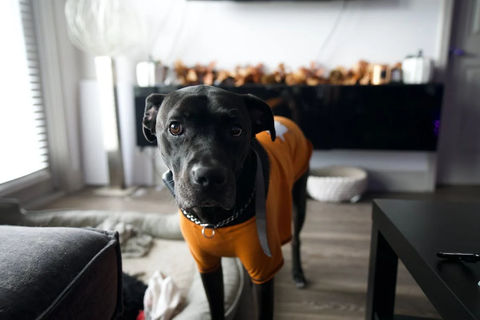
<point x="106" y="28"/>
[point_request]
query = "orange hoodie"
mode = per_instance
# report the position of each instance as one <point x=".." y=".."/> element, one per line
<point x="289" y="157"/>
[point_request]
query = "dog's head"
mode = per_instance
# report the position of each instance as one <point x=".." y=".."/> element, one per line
<point x="204" y="135"/>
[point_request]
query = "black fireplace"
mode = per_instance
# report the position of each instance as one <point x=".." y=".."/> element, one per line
<point x="386" y="117"/>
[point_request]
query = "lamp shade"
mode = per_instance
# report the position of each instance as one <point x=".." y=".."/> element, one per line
<point x="103" y="27"/>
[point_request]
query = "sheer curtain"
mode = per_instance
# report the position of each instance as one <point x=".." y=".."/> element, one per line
<point x="23" y="137"/>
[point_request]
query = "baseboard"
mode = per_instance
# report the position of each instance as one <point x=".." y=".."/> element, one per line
<point x="399" y="181"/>
<point x="43" y="201"/>
<point x="388" y="171"/>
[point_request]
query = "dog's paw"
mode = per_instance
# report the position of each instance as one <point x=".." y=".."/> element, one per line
<point x="300" y="281"/>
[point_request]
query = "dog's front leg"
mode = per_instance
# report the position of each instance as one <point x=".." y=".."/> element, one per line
<point x="263" y="297"/>
<point x="213" y="284"/>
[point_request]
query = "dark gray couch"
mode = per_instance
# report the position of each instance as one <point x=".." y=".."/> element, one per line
<point x="59" y="273"/>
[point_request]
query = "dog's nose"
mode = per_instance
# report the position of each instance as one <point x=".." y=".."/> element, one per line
<point x="209" y="176"/>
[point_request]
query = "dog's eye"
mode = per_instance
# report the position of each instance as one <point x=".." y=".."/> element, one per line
<point x="236" y="131"/>
<point x="175" y="128"/>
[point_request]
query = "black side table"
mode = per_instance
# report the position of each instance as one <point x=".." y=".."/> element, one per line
<point x="414" y="231"/>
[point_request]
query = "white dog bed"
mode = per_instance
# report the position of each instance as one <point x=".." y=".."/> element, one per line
<point x="337" y="184"/>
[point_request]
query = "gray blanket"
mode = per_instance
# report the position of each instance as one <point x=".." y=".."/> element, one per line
<point x="136" y="229"/>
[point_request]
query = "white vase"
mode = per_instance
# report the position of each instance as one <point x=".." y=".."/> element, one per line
<point x="417" y="69"/>
<point x="146" y="74"/>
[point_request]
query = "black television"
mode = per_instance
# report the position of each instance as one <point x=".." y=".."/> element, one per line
<point x="270" y="0"/>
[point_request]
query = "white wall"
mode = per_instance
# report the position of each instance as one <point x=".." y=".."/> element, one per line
<point x="293" y="33"/>
<point x="232" y="33"/>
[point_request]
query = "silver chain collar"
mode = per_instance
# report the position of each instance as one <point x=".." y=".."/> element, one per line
<point x="221" y="223"/>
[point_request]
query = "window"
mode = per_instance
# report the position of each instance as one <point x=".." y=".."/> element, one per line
<point x="23" y="137"/>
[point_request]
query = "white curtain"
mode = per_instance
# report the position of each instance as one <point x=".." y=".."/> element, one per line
<point x="23" y="141"/>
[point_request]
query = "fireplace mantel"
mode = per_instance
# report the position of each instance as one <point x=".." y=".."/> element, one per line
<point x="387" y="117"/>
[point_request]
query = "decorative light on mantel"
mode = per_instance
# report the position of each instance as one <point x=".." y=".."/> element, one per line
<point x="106" y="29"/>
<point x="106" y="97"/>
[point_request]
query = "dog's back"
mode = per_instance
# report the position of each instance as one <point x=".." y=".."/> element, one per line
<point x="289" y="157"/>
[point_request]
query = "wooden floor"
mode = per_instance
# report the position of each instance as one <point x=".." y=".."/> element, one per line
<point x="335" y="248"/>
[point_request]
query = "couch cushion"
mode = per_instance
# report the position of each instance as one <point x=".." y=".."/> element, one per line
<point x="59" y="273"/>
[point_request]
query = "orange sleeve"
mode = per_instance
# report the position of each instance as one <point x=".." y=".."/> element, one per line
<point x="205" y="263"/>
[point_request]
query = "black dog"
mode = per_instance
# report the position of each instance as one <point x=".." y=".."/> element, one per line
<point x="206" y="137"/>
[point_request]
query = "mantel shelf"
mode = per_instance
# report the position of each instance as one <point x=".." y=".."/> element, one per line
<point x="361" y="117"/>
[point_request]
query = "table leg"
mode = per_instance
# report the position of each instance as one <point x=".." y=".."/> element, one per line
<point x="382" y="278"/>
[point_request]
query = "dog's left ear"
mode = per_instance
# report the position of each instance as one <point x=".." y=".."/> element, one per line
<point x="152" y="104"/>
<point x="261" y="115"/>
